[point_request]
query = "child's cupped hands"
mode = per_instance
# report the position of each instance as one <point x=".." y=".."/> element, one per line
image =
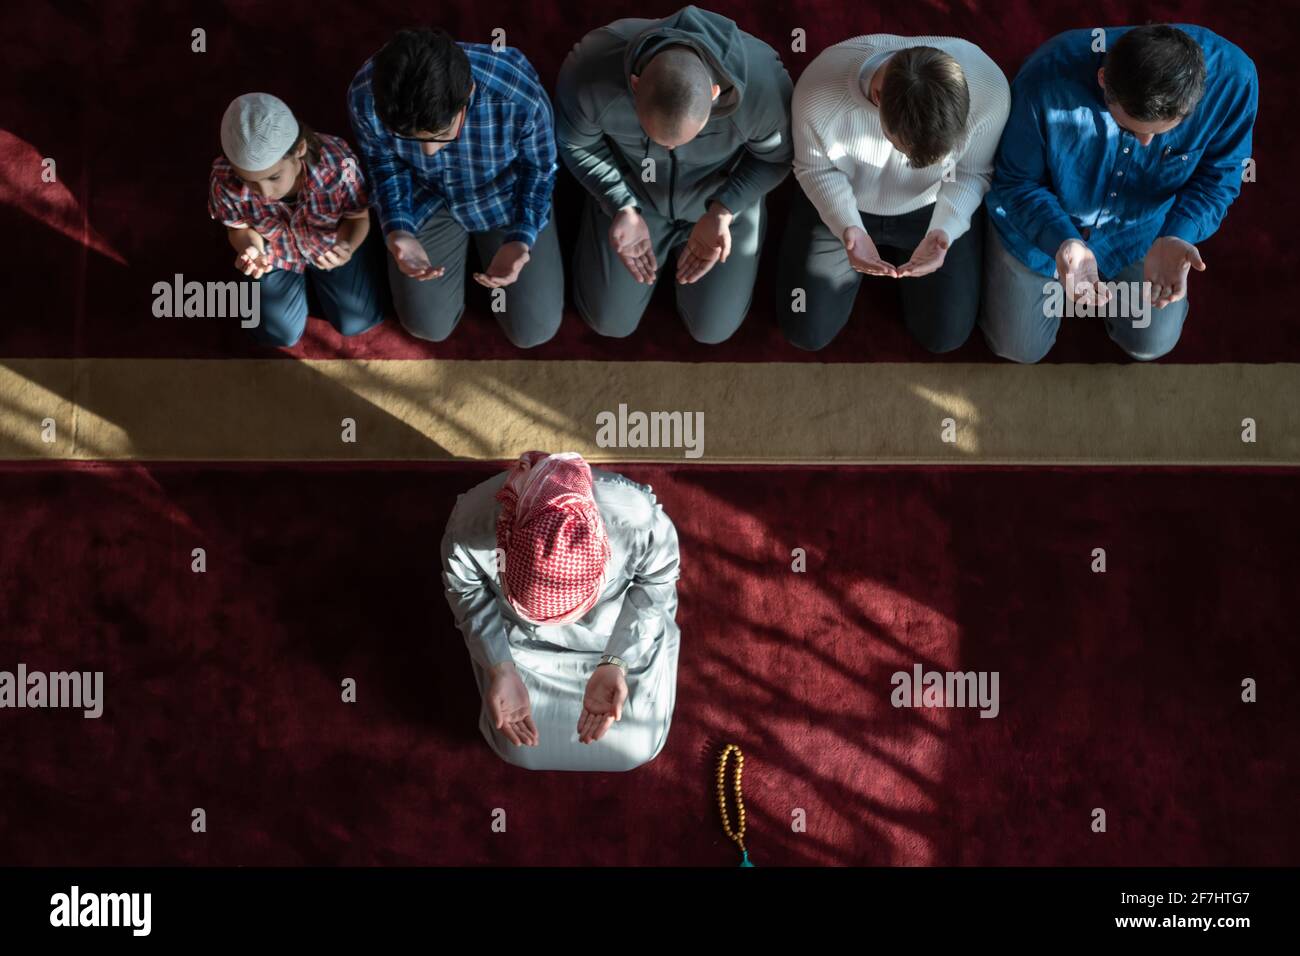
<point x="253" y="262"/>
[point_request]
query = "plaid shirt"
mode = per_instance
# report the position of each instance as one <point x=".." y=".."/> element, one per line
<point x="299" y="232"/>
<point x="497" y="174"/>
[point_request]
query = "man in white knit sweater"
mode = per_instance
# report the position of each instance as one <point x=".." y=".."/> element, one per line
<point x="894" y="141"/>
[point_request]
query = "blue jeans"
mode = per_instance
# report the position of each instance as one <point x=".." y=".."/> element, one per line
<point x="349" y="297"/>
<point x="1019" y="324"/>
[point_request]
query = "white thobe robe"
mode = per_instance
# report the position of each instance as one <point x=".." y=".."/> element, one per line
<point x="634" y="618"/>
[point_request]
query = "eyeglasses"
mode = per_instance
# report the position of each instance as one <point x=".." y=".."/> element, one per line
<point x="460" y="125"/>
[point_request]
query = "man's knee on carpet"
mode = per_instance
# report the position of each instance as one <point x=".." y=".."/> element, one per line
<point x="425" y="320"/>
<point x="603" y="318"/>
<point x="943" y="322"/>
<point x="715" y="327"/>
<point x="532" y="331"/>
<point x="938" y="337"/>
<point x="710" y="312"/>
<point x="1023" y="350"/>
<point x="807" y="337"/>
<point x="713" y="330"/>
<point x="1155" y="341"/>
<point x="807" y="321"/>
<point x="941" y="343"/>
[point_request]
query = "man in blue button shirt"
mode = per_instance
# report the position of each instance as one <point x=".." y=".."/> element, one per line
<point x="458" y="141"/>
<point x="1124" y="150"/>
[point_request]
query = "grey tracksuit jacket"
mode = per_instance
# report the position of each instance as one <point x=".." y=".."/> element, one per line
<point x="742" y="153"/>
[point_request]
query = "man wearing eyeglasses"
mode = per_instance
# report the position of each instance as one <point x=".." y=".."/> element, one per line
<point x="458" y="142"/>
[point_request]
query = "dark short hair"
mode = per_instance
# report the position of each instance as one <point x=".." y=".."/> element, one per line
<point x="308" y="135"/>
<point x="924" y="103"/>
<point x="420" y="82"/>
<point x="680" y="88"/>
<point x="1155" y="73"/>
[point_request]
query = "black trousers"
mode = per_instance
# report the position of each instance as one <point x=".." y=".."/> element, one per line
<point x="939" y="309"/>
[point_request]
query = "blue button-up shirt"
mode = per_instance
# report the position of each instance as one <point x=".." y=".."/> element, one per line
<point x="1066" y="170"/>
<point x="499" y="172"/>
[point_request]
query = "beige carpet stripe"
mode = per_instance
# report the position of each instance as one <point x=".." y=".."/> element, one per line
<point x="775" y="413"/>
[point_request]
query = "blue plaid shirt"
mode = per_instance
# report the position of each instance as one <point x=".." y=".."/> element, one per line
<point x="499" y="172"/>
<point x="1066" y="170"/>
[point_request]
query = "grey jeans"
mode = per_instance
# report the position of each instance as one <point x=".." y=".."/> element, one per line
<point x="612" y="302"/>
<point x="1019" y="323"/>
<point x="430" y="309"/>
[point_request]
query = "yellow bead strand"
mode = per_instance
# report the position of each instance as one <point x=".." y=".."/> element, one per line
<point x="738" y="835"/>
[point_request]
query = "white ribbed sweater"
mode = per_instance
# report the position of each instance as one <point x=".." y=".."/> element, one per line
<point x="844" y="162"/>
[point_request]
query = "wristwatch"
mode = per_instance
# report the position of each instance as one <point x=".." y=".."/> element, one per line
<point x="611" y="659"/>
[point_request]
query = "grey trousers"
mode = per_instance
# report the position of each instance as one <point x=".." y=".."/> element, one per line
<point x="1020" y="323"/>
<point x="612" y="302"/>
<point x="430" y="309"/>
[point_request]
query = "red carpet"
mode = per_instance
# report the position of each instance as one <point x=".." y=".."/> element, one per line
<point x="1118" y="691"/>
<point x="130" y="114"/>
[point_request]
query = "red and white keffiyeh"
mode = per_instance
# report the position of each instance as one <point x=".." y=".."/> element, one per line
<point x="553" y="538"/>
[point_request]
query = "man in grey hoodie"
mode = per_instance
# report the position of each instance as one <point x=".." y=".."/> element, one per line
<point x="677" y="128"/>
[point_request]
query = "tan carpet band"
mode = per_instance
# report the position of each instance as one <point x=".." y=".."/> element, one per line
<point x="774" y="413"/>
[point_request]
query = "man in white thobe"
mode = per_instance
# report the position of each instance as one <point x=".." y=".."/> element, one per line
<point x="563" y="582"/>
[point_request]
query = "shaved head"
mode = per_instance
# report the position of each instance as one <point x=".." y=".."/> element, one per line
<point x="674" y="96"/>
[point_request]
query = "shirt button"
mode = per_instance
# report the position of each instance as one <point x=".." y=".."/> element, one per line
<point x="1126" y="149"/>
<point x="1184" y="159"/>
<point x="1112" y="195"/>
<point x="1120" y="173"/>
